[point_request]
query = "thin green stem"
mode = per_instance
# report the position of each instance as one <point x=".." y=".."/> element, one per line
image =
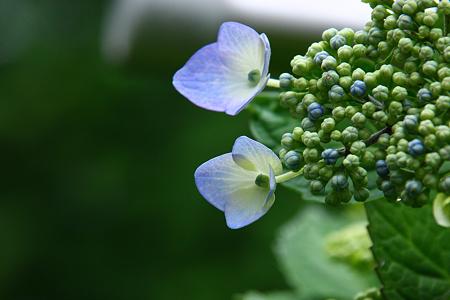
<point x="288" y="176"/>
<point x="273" y="83"/>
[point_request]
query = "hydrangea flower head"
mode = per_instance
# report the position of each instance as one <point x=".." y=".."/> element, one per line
<point x="226" y="75"/>
<point x="241" y="183"/>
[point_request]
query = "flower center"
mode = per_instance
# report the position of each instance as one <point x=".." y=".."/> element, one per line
<point x="262" y="181"/>
<point x="254" y="76"/>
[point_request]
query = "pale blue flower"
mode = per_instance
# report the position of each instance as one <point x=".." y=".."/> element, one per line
<point x="241" y="183"/>
<point x="226" y="75"/>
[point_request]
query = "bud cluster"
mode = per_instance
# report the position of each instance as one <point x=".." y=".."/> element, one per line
<point x="378" y="100"/>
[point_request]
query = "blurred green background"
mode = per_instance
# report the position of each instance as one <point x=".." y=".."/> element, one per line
<point x="97" y="199"/>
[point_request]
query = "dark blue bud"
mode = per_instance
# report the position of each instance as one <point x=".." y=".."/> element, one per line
<point x="382" y="168"/>
<point x="413" y="188"/>
<point x="315" y="111"/>
<point x="337" y="41"/>
<point x="330" y="156"/>
<point x="358" y="88"/>
<point x="320" y="56"/>
<point x="424" y="95"/>
<point x="416" y="147"/>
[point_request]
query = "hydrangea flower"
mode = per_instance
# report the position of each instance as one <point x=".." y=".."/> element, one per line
<point x="441" y="209"/>
<point x="241" y="183"/>
<point x="226" y="75"/>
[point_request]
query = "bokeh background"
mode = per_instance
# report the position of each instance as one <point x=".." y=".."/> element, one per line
<point x="97" y="150"/>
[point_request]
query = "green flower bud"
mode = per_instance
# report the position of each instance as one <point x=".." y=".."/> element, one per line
<point x="400" y="78"/>
<point x="381" y="93"/>
<point x="430" y="141"/>
<point x="345" y="53"/>
<point x="430" y="18"/>
<point x="390" y="22"/>
<point x="351" y="162"/>
<point x="345" y="82"/>
<point x="443" y="103"/>
<point x="395" y="108"/>
<point x="370" y="79"/>
<point x="311" y="155"/>
<point x="314" y="49"/>
<point x="435" y="34"/>
<point x="430" y="181"/>
<point x="426" y="127"/>
<point x="359" y="177"/>
<point x="443" y="134"/>
<point x="433" y="160"/>
<point x="410" y="66"/>
<point x="310" y="139"/>
<point x="386" y="72"/>
<point x="358" y="74"/>
<point x="443" y="72"/>
<point x="368" y="159"/>
<point x="358" y="120"/>
<point x="316" y="187"/>
<point x="399" y="93"/>
<point x="329" y="33"/>
<point x="376" y="35"/>
<point x="338" y="113"/>
<point x="301" y="65"/>
<point x="398" y="34"/>
<point x="444" y="7"/>
<point x="368" y="109"/>
<point x="445" y="84"/>
<point x="329" y="63"/>
<point x="336" y="135"/>
<point x="430" y="68"/>
<point x="426" y="53"/>
<point x="442" y="43"/>
<point x="344" y="69"/>
<point x="312" y="86"/>
<point x="289" y="99"/>
<point x="297" y="133"/>
<point x="405" y="22"/>
<point x="379" y="12"/>
<point x="325" y="173"/>
<point x="383" y="140"/>
<point x="435" y="89"/>
<point x="328" y="124"/>
<point x="424" y="31"/>
<point x="336" y="93"/>
<point x="349" y="135"/>
<point x="348" y="33"/>
<point x="427" y="114"/>
<point x="410" y="7"/>
<point x="350" y="111"/>
<point x="287" y="141"/>
<point x="380" y="117"/>
<point x="311" y="171"/>
<point x="309" y="99"/>
<point x="361" y="195"/>
<point x="405" y="45"/>
<point x="308" y="125"/>
<point x="359" y="50"/>
<point x="330" y="78"/>
<point x="358" y="148"/>
<point x="444" y="184"/>
<point x="361" y="37"/>
<point x="300" y="84"/>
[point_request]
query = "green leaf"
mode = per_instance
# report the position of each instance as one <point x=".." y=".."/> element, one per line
<point x="269" y="121"/>
<point x="411" y="250"/>
<point x="308" y="268"/>
<point x="253" y="295"/>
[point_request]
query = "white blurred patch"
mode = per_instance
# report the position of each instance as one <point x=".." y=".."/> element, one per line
<point x="299" y="16"/>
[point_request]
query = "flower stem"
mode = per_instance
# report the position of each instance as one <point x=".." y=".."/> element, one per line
<point x="288" y="176"/>
<point x="273" y="83"/>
